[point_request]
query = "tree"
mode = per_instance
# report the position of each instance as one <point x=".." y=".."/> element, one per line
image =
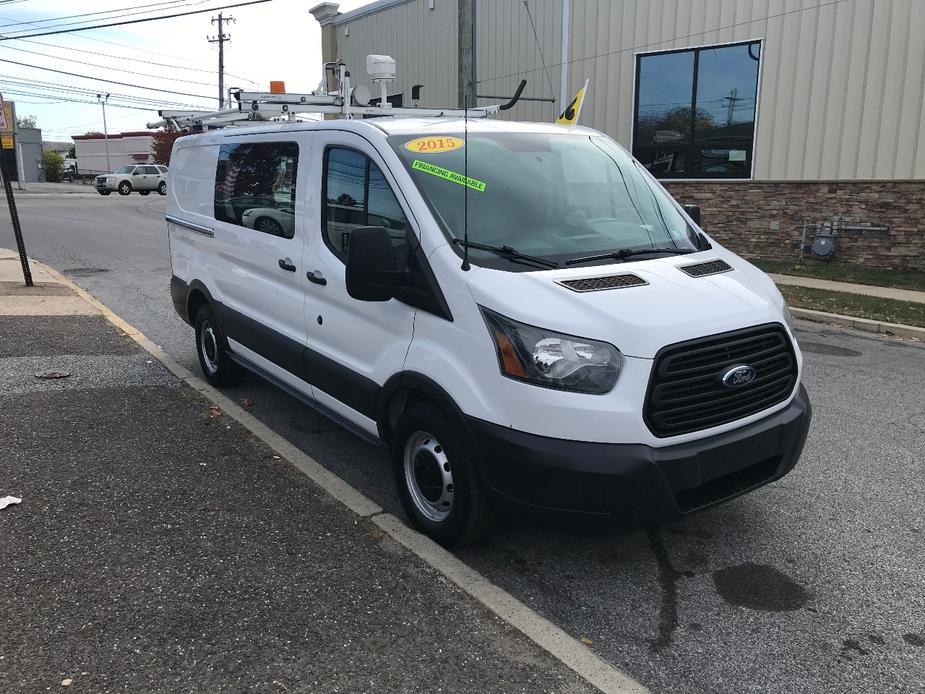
<point x="162" y="144"/>
<point x="53" y="163"/>
<point x="26" y="121"/>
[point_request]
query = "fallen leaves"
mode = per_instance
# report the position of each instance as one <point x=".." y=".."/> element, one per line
<point x="215" y="411"/>
<point x="586" y="641"/>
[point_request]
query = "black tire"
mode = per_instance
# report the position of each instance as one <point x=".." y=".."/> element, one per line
<point x="162" y="188"/>
<point x="212" y="349"/>
<point x="144" y="192"/>
<point x="104" y="192"/>
<point x="125" y="188"/>
<point x="268" y="225"/>
<point x="434" y="448"/>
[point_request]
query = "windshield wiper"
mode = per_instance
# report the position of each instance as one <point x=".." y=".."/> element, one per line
<point x="625" y="253"/>
<point x="507" y="252"/>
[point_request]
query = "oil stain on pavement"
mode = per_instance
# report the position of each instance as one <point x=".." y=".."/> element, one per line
<point x="759" y="587"/>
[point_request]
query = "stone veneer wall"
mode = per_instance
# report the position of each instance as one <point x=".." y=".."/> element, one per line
<point x="764" y="219"/>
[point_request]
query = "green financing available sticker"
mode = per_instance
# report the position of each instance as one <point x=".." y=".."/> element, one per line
<point x="419" y="165"/>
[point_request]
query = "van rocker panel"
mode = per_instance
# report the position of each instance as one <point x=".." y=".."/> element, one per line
<point x="636" y="483"/>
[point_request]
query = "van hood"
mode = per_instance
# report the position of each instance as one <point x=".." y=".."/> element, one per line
<point x="639" y="320"/>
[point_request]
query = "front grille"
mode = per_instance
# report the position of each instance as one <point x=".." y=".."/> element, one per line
<point x="686" y="391"/>
<point x="710" y="267"/>
<point x="595" y="284"/>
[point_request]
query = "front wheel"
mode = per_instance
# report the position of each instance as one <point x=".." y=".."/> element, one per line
<point x="125" y="188"/>
<point x="437" y="480"/>
<point x="212" y="348"/>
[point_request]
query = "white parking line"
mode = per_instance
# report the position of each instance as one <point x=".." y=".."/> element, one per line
<point x="567" y="649"/>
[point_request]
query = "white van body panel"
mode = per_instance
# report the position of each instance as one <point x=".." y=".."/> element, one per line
<point x="459" y="355"/>
<point x="343" y="353"/>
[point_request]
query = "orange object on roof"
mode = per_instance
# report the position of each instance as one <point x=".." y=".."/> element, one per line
<point x="277" y="87"/>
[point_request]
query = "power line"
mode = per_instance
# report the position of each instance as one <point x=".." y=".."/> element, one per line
<point x="100" y="79"/>
<point x="176" y="4"/>
<point x="122" y="57"/>
<point x="666" y="40"/>
<point x="107" y="67"/>
<point x="85" y="91"/>
<point x="135" y="21"/>
<point x="77" y="101"/>
<point x="89" y="14"/>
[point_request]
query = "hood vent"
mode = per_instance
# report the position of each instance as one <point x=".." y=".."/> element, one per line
<point x="596" y="284"/>
<point x="711" y="267"/>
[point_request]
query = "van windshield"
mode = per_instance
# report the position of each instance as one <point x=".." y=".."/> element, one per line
<point x="558" y="197"/>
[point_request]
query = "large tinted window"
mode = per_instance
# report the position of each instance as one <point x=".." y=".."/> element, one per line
<point x="559" y="197"/>
<point x="695" y="111"/>
<point x="356" y="195"/>
<point x="255" y="186"/>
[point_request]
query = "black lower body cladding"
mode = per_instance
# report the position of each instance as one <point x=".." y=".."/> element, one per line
<point x="635" y="483"/>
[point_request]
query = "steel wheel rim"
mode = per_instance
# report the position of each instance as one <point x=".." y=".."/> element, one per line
<point x="208" y="347"/>
<point x="428" y="476"/>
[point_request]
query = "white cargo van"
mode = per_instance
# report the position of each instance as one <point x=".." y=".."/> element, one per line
<point x="518" y="311"/>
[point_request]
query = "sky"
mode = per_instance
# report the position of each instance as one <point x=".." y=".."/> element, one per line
<point x="276" y="40"/>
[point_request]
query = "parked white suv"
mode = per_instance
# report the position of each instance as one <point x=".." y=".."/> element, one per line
<point x="521" y="314"/>
<point x="141" y="177"/>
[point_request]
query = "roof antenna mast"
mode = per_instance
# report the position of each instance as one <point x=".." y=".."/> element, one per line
<point x="465" y="262"/>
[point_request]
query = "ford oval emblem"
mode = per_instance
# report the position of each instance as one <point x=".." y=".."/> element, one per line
<point x="740" y="375"/>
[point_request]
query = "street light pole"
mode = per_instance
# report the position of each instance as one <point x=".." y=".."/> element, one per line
<point x="103" y="99"/>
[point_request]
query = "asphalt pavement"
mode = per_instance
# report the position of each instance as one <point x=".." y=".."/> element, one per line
<point x="161" y="547"/>
<point x="813" y="584"/>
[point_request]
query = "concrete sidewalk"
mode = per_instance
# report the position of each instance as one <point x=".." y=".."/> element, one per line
<point x="161" y="547"/>
<point x="850" y="288"/>
<point x="56" y="188"/>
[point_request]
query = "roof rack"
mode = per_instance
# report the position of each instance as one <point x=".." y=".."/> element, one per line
<point x="344" y="101"/>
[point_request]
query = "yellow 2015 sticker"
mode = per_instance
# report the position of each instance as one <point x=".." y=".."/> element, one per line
<point x="453" y="176"/>
<point x="434" y="144"/>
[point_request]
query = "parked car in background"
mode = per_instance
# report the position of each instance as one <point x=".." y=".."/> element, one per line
<point x="141" y="177"/>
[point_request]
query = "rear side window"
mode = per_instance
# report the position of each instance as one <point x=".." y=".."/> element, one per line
<point x="149" y="170"/>
<point x="255" y="186"/>
<point x="356" y="195"/>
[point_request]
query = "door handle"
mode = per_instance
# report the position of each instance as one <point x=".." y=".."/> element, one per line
<point x="286" y="265"/>
<point x="316" y="278"/>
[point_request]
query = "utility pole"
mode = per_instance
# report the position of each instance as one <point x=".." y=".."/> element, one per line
<point x="220" y="39"/>
<point x="731" y="106"/>
<point x="103" y="98"/>
<point x="465" y="44"/>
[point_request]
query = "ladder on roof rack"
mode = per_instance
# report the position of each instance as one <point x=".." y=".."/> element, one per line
<point x="346" y="102"/>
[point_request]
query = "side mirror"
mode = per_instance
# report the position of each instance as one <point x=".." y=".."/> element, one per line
<point x="693" y="211"/>
<point x="372" y="274"/>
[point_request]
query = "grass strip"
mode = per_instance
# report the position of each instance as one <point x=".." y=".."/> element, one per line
<point x="858" y="305"/>
<point x="877" y="277"/>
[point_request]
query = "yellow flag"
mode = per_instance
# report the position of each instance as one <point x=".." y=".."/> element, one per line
<point x="570" y="115"/>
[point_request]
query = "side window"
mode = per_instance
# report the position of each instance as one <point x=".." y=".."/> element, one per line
<point x="357" y="194"/>
<point x="149" y="170"/>
<point x="255" y="186"/>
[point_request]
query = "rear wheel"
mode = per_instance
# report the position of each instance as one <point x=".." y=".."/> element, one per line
<point x="212" y="348"/>
<point x="437" y="480"/>
<point x="125" y="188"/>
<point x="162" y="188"/>
<point x="268" y="225"/>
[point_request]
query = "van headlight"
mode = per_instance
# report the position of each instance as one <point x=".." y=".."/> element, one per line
<point x="553" y="360"/>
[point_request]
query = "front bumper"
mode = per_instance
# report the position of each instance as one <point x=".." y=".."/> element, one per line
<point x="636" y="483"/>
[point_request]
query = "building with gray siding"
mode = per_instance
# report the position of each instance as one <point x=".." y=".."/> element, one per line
<point x="781" y="118"/>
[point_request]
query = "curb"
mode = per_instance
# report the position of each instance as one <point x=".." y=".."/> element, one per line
<point x="552" y="639"/>
<point x="865" y="324"/>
